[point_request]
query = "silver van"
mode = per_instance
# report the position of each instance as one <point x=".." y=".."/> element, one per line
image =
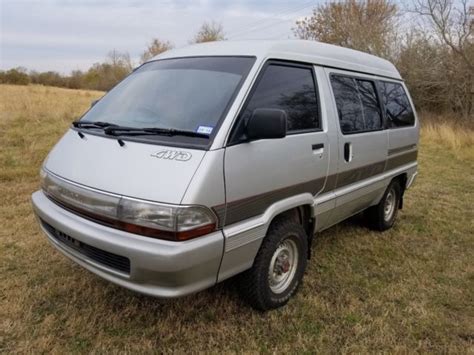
<point x="226" y="158"/>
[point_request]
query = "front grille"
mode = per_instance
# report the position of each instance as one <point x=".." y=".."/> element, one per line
<point x="100" y="256"/>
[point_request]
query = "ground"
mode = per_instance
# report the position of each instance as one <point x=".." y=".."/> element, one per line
<point x="408" y="289"/>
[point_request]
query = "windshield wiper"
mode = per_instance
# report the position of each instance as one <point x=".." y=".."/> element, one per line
<point x="131" y="131"/>
<point x="93" y="124"/>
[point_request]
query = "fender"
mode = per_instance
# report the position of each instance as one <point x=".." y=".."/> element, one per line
<point x="243" y="239"/>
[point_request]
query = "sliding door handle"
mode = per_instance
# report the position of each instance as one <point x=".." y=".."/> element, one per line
<point x="348" y="152"/>
<point x="317" y="146"/>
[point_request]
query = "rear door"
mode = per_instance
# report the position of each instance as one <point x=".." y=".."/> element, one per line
<point x="363" y="143"/>
<point x="260" y="173"/>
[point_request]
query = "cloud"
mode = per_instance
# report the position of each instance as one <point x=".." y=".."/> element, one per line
<point x="64" y="35"/>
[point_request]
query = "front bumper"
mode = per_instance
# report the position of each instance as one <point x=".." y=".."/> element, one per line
<point x="157" y="267"/>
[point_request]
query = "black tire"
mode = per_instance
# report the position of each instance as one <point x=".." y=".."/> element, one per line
<point x="255" y="283"/>
<point x="377" y="216"/>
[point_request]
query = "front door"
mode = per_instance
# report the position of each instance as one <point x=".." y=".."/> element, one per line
<point x="260" y="173"/>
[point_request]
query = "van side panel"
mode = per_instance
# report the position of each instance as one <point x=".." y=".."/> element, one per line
<point x="362" y="156"/>
<point x="383" y="155"/>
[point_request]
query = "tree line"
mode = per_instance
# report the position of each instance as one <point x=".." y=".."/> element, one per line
<point x="431" y="42"/>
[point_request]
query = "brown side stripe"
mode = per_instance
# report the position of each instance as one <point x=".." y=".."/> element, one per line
<point x="350" y="176"/>
<point x="402" y="159"/>
<point x="401" y="149"/>
<point x="220" y="213"/>
<point x="330" y="183"/>
<point x="256" y="205"/>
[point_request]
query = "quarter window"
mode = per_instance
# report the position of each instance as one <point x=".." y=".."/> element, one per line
<point x="397" y="106"/>
<point x="357" y="104"/>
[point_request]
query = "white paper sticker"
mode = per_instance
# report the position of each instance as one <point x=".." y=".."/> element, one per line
<point x="204" y="129"/>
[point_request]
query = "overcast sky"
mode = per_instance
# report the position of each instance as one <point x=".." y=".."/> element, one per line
<point x="63" y="35"/>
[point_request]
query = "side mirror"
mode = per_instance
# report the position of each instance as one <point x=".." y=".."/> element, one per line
<point x="94" y="102"/>
<point x="266" y="123"/>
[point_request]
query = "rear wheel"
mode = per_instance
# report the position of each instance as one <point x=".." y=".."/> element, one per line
<point x="278" y="267"/>
<point x="382" y="216"/>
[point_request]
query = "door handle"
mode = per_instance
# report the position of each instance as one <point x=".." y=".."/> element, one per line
<point x="348" y="152"/>
<point x="318" y="149"/>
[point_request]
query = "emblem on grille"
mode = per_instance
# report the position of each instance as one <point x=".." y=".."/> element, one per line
<point x="173" y="155"/>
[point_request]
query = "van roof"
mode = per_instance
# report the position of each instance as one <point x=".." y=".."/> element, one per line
<point x="298" y="50"/>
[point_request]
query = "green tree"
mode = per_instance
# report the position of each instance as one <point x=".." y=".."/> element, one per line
<point x="16" y="76"/>
<point x="75" y="80"/>
<point x="103" y="76"/>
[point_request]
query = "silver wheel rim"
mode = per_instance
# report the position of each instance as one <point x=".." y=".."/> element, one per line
<point x="389" y="205"/>
<point x="283" y="266"/>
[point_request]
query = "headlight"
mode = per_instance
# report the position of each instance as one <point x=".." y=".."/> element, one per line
<point x="165" y="221"/>
<point x="150" y="219"/>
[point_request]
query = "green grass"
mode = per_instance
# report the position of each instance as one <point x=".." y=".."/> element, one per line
<point x="409" y="289"/>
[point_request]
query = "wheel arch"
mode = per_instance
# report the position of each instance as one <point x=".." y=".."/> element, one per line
<point x="243" y="240"/>
<point x="302" y="214"/>
<point x="402" y="180"/>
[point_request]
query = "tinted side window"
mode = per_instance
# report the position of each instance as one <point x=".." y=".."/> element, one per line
<point x="349" y="106"/>
<point x="370" y="104"/>
<point x="357" y="104"/>
<point x="397" y="106"/>
<point x="291" y="89"/>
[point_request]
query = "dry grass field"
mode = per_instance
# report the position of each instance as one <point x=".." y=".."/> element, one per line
<point x="410" y="289"/>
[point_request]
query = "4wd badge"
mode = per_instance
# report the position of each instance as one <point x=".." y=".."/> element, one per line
<point x="173" y="155"/>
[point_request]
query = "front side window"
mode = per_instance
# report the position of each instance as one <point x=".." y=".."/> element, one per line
<point x="357" y="104"/>
<point x="288" y="88"/>
<point x="397" y="105"/>
<point x="189" y="94"/>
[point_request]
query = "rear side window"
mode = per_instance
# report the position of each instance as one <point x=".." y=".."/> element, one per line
<point x="357" y="104"/>
<point x="397" y="106"/>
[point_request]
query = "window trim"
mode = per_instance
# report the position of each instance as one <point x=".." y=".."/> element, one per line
<point x="384" y="108"/>
<point x="283" y="63"/>
<point x="355" y="77"/>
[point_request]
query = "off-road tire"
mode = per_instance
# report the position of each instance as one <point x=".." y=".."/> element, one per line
<point x="254" y="284"/>
<point x="377" y="217"/>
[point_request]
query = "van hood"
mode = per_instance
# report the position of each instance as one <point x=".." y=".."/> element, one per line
<point x="140" y="170"/>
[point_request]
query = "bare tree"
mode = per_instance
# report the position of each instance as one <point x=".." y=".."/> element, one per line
<point x="452" y="24"/>
<point x="422" y="63"/>
<point x="367" y="25"/>
<point x="120" y="60"/>
<point x="156" y="47"/>
<point x="209" y="32"/>
<point x="452" y="21"/>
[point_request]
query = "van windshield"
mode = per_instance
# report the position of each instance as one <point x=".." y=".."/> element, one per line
<point x="190" y="94"/>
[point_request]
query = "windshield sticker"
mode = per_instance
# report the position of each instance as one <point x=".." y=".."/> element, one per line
<point x="205" y="129"/>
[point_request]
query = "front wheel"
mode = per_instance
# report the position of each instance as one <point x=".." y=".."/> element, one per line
<point x="278" y="267"/>
<point x="382" y="216"/>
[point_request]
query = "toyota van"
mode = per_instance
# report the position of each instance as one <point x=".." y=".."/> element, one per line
<point x="226" y="158"/>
